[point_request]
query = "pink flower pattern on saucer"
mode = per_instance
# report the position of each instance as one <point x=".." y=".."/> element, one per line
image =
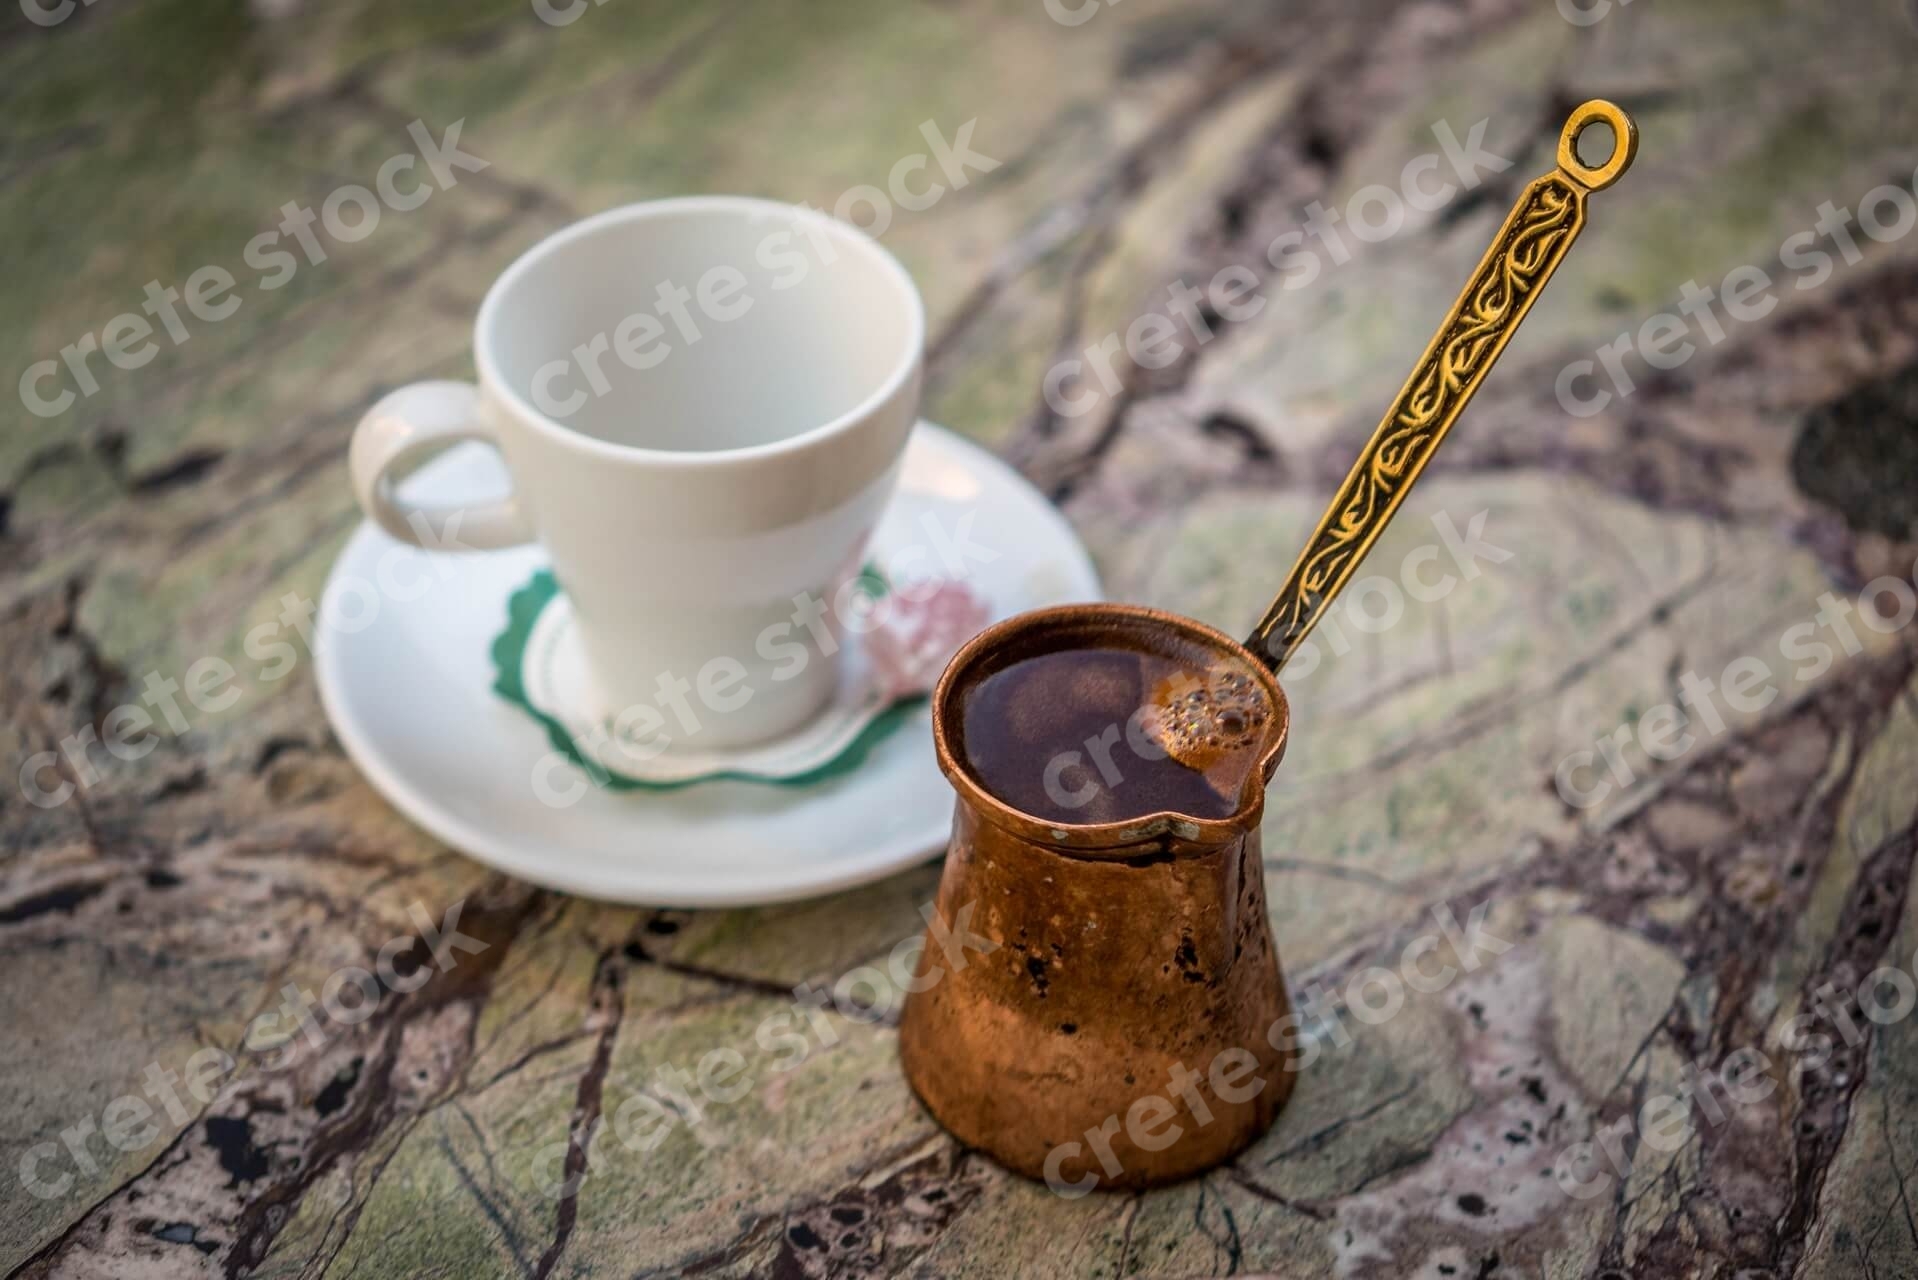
<point x="922" y="627"/>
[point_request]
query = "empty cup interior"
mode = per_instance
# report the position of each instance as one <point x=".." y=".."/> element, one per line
<point x="702" y="325"/>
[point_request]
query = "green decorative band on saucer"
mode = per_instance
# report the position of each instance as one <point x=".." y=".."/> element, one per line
<point x="885" y="675"/>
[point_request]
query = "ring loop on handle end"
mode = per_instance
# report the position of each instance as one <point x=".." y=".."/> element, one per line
<point x="1624" y="144"/>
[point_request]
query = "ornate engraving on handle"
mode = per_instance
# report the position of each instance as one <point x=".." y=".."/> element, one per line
<point x="1541" y="228"/>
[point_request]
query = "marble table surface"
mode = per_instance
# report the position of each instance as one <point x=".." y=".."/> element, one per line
<point x="1666" y="917"/>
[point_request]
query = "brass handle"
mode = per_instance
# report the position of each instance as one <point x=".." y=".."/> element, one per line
<point x="1528" y="248"/>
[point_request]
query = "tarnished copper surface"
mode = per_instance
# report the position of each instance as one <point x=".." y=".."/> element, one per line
<point x="1123" y="950"/>
<point x="1130" y="956"/>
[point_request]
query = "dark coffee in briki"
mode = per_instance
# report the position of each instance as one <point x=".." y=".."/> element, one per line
<point x="1097" y="735"/>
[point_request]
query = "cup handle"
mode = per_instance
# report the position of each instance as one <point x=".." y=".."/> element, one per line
<point x="418" y="419"/>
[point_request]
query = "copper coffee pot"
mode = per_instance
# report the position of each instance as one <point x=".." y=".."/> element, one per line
<point x="1126" y="1028"/>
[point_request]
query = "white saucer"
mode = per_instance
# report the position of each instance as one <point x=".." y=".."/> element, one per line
<point x="410" y="696"/>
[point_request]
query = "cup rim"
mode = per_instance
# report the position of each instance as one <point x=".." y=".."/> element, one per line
<point x="1178" y="834"/>
<point x="845" y="233"/>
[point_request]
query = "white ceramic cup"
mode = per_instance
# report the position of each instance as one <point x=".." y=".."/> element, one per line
<point x="702" y="403"/>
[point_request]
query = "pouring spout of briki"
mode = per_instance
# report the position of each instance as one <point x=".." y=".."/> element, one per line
<point x="1537" y="234"/>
